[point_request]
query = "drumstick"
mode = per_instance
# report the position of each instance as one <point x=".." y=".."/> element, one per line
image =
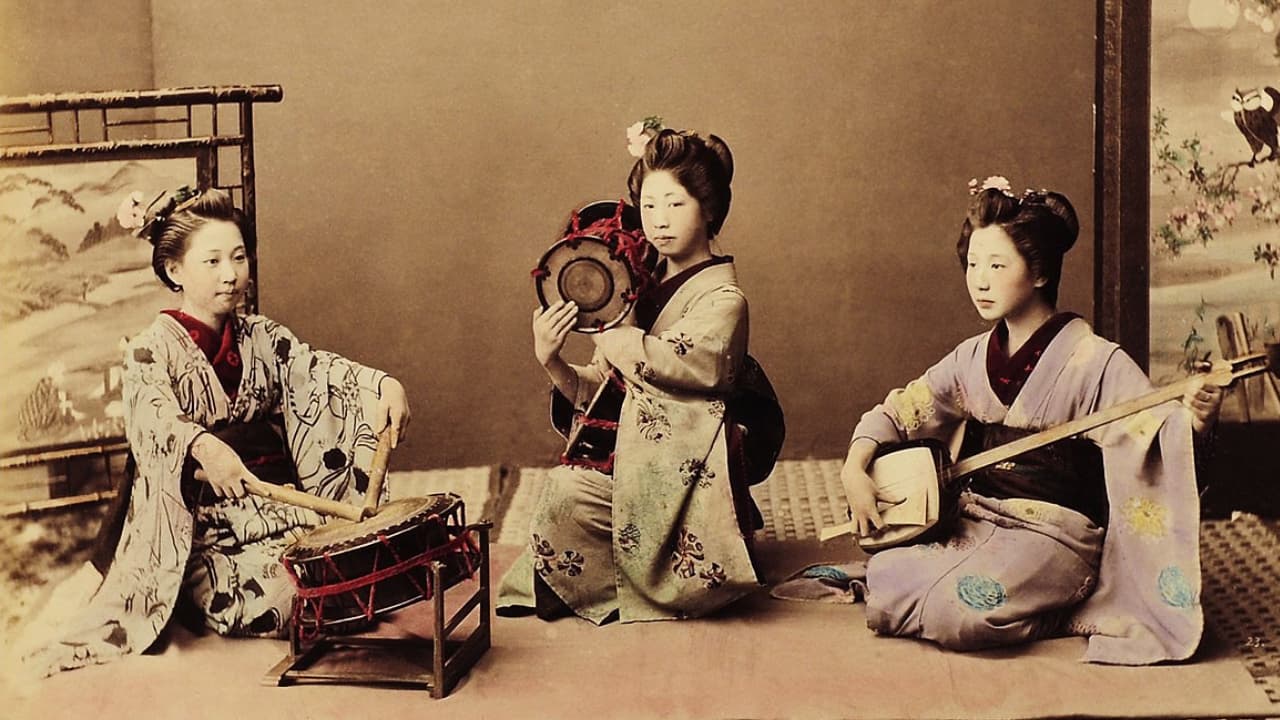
<point x="304" y="500"/>
<point x="378" y="472"/>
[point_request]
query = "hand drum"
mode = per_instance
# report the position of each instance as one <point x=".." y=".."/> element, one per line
<point x="602" y="263"/>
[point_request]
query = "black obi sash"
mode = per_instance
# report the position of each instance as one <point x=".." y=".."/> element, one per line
<point x="260" y="445"/>
<point x="1066" y="473"/>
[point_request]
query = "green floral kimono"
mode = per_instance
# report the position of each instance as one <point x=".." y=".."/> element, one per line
<point x="661" y="537"/>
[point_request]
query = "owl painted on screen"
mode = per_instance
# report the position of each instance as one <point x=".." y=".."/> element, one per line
<point x="1256" y="112"/>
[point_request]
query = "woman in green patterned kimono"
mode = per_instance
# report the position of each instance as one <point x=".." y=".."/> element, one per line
<point x="212" y="399"/>
<point x="660" y="530"/>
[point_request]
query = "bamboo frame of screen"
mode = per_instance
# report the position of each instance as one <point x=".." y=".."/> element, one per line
<point x="136" y="125"/>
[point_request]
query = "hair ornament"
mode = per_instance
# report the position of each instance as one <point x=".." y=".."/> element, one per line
<point x="141" y="219"/>
<point x="640" y="133"/>
<point x="993" y="182"/>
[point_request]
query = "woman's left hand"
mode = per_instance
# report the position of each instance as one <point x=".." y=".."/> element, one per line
<point x="393" y="409"/>
<point x="1205" y="402"/>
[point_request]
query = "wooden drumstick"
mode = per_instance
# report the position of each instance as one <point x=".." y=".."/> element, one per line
<point x="378" y="473"/>
<point x="304" y="500"/>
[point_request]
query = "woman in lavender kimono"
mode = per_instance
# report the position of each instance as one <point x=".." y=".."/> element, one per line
<point x="660" y="530"/>
<point x="195" y="376"/>
<point x="1095" y="535"/>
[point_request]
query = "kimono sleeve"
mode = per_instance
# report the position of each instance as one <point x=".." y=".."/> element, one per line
<point x="702" y="351"/>
<point x="159" y="430"/>
<point x="301" y="366"/>
<point x="330" y="407"/>
<point x="931" y="406"/>
<point x="1147" y="604"/>
<point x="590" y="377"/>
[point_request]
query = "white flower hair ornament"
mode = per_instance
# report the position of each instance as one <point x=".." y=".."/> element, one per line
<point x="993" y="182"/>
<point x="133" y="215"/>
<point x="640" y="133"/>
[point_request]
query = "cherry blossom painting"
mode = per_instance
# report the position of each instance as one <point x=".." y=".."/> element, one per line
<point x="1215" y="188"/>
<point x="74" y="285"/>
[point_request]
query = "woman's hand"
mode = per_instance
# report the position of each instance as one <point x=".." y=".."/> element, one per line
<point x="393" y="409"/>
<point x="859" y="488"/>
<point x="1205" y="402"/>
<point x="550" y="330"/>
<point x="220" y="466"/>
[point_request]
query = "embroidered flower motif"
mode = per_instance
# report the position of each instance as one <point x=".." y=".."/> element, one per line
<point x="681" y="343"/>
<point x="640" y="133"/>
<point x="696" y="471"/>
<point x="571" y="562"/>
<point x="1146" y="518"/>
<point x="543" y="555"/>
<point x="913" y="404"/>
<point x="713" y="576"/>
<point x="993" y="182"/>
<point x="1142" y="426"/>
<point x="644" y="372"/>
<point x="981" y="593"/>
<point x="629" y="538"/>
<point x="716" y="408"/>
<point x="652" y="421"/>
<point x="1029" y="511"/>
<point x="1174" y="588"/>
<point x="687" y="555"/>
<point x="131" y="213"/>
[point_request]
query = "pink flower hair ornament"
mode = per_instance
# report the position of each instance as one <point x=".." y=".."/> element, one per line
<point x="640" y="133"/>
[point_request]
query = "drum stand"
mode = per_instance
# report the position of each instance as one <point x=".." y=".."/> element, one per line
<point x="434" y="664"/>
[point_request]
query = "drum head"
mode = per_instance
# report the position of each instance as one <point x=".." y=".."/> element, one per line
<point x="340" y="534"/>
<point x="587" y="268"/>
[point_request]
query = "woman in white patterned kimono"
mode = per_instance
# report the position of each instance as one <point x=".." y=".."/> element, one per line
<point x="658" y="531"/>
<point x="197" y="375"/>
<point x="1096" y="535"/>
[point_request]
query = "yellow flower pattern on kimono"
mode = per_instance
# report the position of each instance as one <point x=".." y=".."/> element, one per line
<point x="1143" y="426"/>
<point x="1146" y="519"/>
<point x="913" y="404"/>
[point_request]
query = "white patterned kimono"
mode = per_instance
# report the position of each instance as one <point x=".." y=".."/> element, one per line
<point x="227" y="554"/>
<point x="661" y="537"/>
<point x="1010" y="560"/>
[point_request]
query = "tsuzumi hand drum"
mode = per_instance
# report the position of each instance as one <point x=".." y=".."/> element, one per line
<point x="602" y="263"/>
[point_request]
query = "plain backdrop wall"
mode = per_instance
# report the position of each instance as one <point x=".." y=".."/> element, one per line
<point x="426" y="153"/>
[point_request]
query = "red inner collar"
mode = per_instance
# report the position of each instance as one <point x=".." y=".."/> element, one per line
<point x="219" y="349"/>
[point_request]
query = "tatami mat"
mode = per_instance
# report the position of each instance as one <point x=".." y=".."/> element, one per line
<point x="1241" y="567"/>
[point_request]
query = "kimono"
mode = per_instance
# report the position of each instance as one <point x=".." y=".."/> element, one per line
<point x="223" y="555"/>
<point x="1017" y="569"/>
<point x="661" y="536"/>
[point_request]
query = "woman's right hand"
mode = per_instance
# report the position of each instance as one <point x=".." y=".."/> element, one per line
<point x="859" y="488"/>
<point x="220" y="466"/>
<point x="551" y="328"/>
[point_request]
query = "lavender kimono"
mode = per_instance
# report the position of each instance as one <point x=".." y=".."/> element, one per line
<point x="1015" y="570"/>
<point x="226" y="555"/>
<point x="660" y="538"/>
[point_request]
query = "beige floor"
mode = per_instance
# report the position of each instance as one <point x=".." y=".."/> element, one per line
<point x="761" y="658"/>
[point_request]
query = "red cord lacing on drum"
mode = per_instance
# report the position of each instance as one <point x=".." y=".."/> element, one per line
<point x="313" y="598"/>
<point x="629" y="245"/>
